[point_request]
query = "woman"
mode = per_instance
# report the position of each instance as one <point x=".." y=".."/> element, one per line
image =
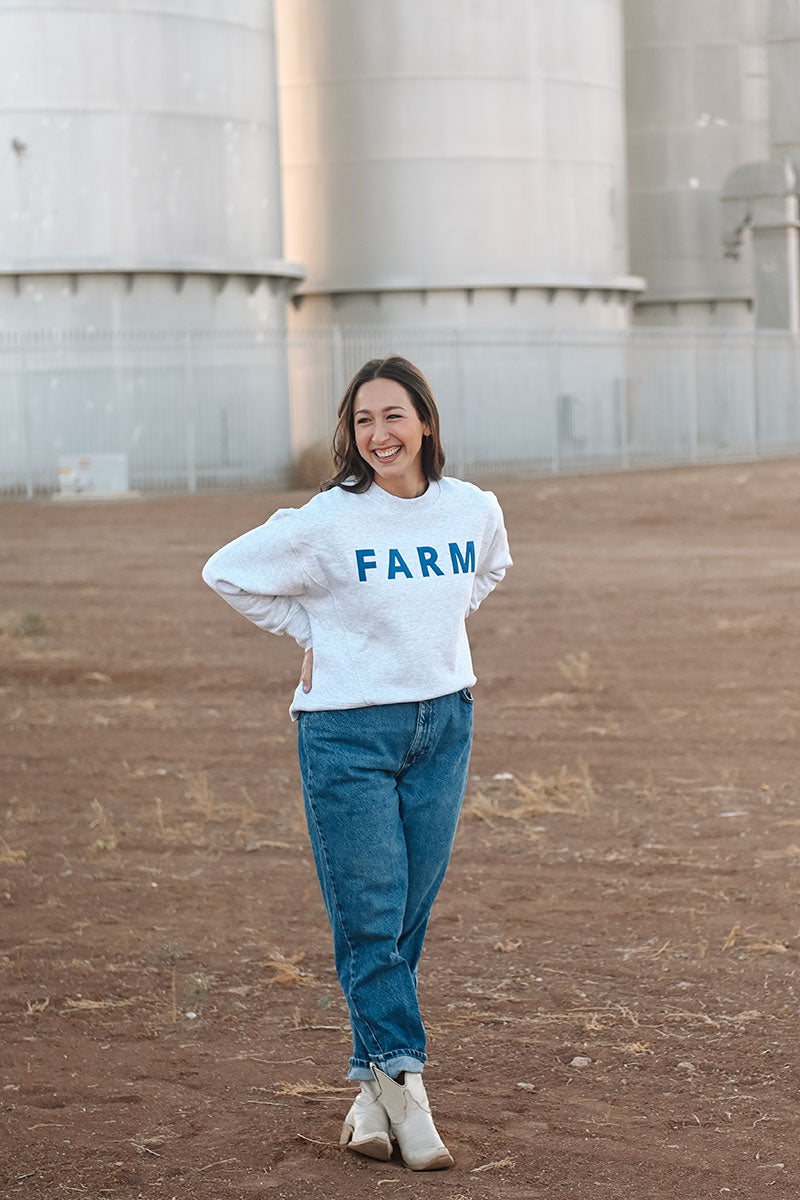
<point x="374" y="578"/>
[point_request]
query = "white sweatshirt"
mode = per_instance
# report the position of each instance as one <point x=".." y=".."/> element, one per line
<point x="380" y="587"/>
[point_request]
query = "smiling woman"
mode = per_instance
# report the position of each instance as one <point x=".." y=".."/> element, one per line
<point x="388" y="430"/>
<point x="374" y="578"/>
<point x="389" y="436"/>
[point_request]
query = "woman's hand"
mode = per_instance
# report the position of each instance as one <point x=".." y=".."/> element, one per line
<point x="307" y="669"/>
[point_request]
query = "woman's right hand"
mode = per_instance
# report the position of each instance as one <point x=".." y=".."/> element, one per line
<point x="306" y="670"/>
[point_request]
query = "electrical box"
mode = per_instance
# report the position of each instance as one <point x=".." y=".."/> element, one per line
<point x="88" y="474"/>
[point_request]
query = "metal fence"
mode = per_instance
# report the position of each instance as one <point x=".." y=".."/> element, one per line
<point x="200" y="410"/>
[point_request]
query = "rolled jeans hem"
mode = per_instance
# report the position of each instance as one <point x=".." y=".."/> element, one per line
<point x="392" y="1063"/>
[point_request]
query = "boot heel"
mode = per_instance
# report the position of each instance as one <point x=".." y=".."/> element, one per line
<point x="365" y="1129"/>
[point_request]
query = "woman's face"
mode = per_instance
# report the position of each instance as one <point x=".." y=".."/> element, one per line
<point x="389" y="436"/>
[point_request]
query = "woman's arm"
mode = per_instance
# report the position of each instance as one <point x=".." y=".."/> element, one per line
<point x="494" y="557"/>
<point x="261" y="576"/>
<point x="276" y="614"/>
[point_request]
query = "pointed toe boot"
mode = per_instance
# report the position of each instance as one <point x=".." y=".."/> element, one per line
<point x="409" y="1114"/>
<point x="366" y="1126"/>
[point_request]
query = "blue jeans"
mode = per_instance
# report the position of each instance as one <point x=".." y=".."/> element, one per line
<point x="383" y="788"/>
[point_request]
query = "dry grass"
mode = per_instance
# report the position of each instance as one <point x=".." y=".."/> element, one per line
<point x="305" y="1088"/>
<point x="286" y="970"/>
<point x="199" y="793"/>
<point x="562" y="700"/>
<point x="567" y="792"/>
<point x="206" y="818"/>
<point x="576" y="669"/>
<point x="9" y="856"/>
<point x="498" y="1165"/>
<point x="84" y="1005"/>
<point x="312" y="466"/>
<point x="107" y="836"/>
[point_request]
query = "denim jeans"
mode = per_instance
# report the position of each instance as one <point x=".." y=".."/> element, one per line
<point x="383" y="788"/>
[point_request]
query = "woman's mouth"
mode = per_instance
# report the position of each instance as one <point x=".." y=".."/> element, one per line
<point x="387" y="455"/>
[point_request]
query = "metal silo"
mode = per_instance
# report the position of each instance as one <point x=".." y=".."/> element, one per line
<point x="784" y="72"/>
<point x="697" y="106"/>
<point x="453" y="167"/>
<point x="456" y="160"/>
<point x="141" y="192"/>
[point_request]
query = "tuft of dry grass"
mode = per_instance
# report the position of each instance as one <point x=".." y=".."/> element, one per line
<point x="567" y="792"/>
<point x="9" y="856"/>
<point x="84" y="1005"/>
<point x="312" y="466"/>
<point x="304" y="1087"/>
<point x="562" y="700"/>
<point x="508" y="947"/>
<point x="199" y="793"/>
<point x="107" y="835"/>
<point x="498" y="1165"/>
<point x="286" y="969"/>
<point x="576" y="669"/>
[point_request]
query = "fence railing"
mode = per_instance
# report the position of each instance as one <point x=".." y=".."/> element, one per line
<point x="200" y="410"/>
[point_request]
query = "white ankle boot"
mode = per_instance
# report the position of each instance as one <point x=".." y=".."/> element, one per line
<point x="411" y="1121"/>
<point x="366" y="1126"/>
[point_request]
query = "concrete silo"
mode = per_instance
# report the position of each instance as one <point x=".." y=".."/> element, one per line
<point x="453" y="167"/>
<point x="141" y="192"/>
<point x="455" y="160"/>
<point x="697" y="106"/>
<point x="784" y="73"/>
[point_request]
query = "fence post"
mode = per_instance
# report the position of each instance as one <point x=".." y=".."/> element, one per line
<point x="756" y="395"/>
<point x="337" y="361"/>
<point x="555" y="449"/>
<point x="190" y="414"/>
<point x="21" y="391"/>
<point x="460" y="405"/>
<point x="622" y="410"/>
<point x="693" y="395"/>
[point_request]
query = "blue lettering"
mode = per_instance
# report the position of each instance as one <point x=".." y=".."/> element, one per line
<point x="465" y="563"/>
<point x="363" y="559"/>
<point x="427" y="560"/>
<point x="397" y="563"/>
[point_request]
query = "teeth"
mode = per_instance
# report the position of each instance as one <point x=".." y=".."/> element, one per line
<point x="387" y="453"/>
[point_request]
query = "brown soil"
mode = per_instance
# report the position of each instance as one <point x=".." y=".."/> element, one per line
<point x="624" y="887"/>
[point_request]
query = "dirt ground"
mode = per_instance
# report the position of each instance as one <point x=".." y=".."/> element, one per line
<point x="609" y="981"/>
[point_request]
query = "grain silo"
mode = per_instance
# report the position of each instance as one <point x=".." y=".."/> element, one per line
<point x="141" y="193"/>
<point x="456" y="160"/>
<point x="784" y="72"/>
<point x="452" y="168"/>
<point x="697" y="106"/>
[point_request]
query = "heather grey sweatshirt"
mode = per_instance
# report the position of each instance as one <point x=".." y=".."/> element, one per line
<point x="379" y="586"/>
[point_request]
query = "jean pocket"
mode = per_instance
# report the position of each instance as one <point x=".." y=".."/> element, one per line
<point x="466" y="695"/>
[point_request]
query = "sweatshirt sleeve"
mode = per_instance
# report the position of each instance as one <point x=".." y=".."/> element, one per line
<point x="494" y="558"/>
<point x="260" y="575"/>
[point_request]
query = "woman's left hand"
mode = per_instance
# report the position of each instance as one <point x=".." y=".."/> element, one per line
<point x="306" y="670"/>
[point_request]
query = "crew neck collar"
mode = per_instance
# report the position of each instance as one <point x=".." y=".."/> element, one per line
<point x="398" y="504"/>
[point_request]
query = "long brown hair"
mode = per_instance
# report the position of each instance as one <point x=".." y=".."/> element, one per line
<point x="352" y="472"/>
